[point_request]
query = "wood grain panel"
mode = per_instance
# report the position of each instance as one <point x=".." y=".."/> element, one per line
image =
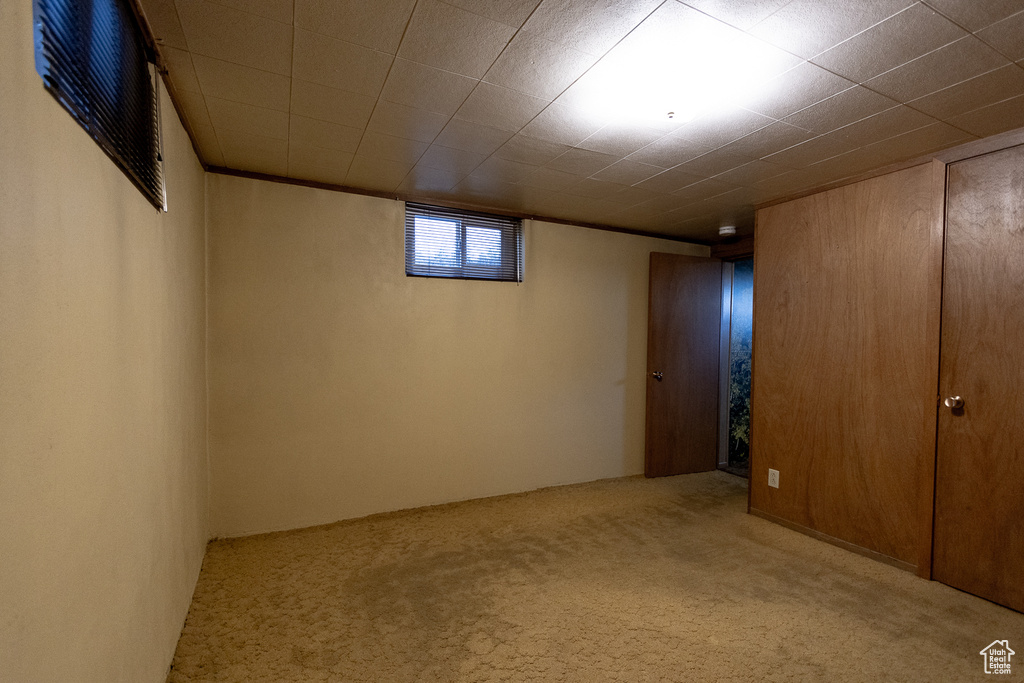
<point x="846" y="309"/>
<point x="979" y="509"/>
<point x="683" y="345"/>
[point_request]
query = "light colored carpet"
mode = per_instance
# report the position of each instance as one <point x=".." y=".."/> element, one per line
<point x="618" y="580"/>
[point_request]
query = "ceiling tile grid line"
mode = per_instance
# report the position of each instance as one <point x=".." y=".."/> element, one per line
<point x="483" y="79"/>
<point x="473" y="101"/>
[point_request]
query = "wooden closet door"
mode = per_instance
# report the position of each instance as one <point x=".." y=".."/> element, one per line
<point x="979" y="507"/>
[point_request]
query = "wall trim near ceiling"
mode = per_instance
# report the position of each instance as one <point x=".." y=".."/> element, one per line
<point x="421" y="199"/>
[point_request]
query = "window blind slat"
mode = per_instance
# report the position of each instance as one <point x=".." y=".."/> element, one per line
<point x="94" y="61"/>
<point x="443" y="242"/>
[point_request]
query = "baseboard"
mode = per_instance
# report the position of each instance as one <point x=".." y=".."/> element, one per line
<point x="832" y="540"/>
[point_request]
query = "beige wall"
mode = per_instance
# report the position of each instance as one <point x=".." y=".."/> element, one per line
<point x="339" y="387"/>
<point x="103" y="479"/>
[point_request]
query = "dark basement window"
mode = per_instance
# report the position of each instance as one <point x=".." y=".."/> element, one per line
<point x="94" y="60"/>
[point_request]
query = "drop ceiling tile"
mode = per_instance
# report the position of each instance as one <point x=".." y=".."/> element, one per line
<point x="768" y="140"/>
<point x="742" y="14"/>
<point x="327" y="104"/>
<point x="840" y="110"/>
<point x="702" y="189"/>
<point x="720" y="128"/>
<point x="486" y="192"/>
<point x="500" y="107"/>
<point x="318" y="163"/>
<point x="581" y="162"/>
<point x="796" y="89"/>
<point x="949" y="65"/>
<point x="241" y="37"/>
<point x="255" y="153"/>
<point x="598" y="189"/>
<point x="591" y="210"/>
<point x="917" y="143"/>
<point x="448" y="159"/>
<point x="993" y="119"/>
<point x="846" y="166"/>
<point x="376" y="174"/>
<point x="536" y="66"/>
<point x="527" y="150"/>
<point x="452" y="39"/>
<point x="900" y="38"/>
<point x="808" y="27"/>
<point x="334" y="174"/>
<point x="193" y="108"/>
<point x="750" y="173"/>
<point x="406" y="122"/>
<point x="511" y="12"/>
<point x="976" y="14"/>
<point x="378" y="25"/>
<point x="209" y="147"/>
<point x="590" y="26"/>
<point x="230" y="81"/>
<point x="1007" y="36"/>
<point x="995" y="86"/>
<point x="810" y="152"/>
<point x="390" y="148"/>
<point x="423" y="179"/>
<point x="424" y="87"/>
<point x="883" y="126"/>
<point x="180" y="69"/>
<point x="619" y="140"/>
<point x="669" y="181"/>
<point x="308" y="131"/>
<point x="278" y="10"/>
<point x="472" y="137"/>
<point x="551" y="179"/>
<point x="633" y="195"/>
<point x="246" y="118"/>
<point x="713" y="164"/>
<point x="875" y="128"/>
<point x="162" y="17"/>
<point x="504" y="170"/>
<point x="659" y="205"/>
<point x="339" y="64"/>
<point x="627" y="172"/>
<point x="562" y="124"/>
<point x="670" y="151"/>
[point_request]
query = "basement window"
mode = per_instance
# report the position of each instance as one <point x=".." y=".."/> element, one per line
<point x="453" y="243"/>
<point x="95" y="62"/>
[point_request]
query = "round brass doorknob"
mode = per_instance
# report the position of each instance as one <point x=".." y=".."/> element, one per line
<point x="954" y="402"/>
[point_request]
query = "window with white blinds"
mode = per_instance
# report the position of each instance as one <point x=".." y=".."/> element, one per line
<point x="441" y="242"/>
<point x="94" y="60"/>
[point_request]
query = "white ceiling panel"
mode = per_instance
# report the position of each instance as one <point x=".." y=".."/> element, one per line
<point x="666" y="116"/>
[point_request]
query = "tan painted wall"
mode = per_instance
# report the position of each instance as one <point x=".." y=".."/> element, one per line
<point x="339" y="387"/>
<point x="103" y="480"/>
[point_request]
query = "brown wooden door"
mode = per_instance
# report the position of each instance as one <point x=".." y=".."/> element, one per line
<point x="979" y="506"/>
<point x="682" y="345"/>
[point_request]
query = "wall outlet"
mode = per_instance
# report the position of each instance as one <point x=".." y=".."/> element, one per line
<point x="773" y="478"/>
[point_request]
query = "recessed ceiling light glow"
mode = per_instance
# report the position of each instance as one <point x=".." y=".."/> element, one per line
<point x="677" y="66"/>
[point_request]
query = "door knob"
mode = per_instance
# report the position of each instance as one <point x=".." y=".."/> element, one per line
<point x="954" y="402"/>
<point x="657" y="375"/>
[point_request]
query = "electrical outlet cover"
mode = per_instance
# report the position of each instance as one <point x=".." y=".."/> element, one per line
<point x="773" y="478"/>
